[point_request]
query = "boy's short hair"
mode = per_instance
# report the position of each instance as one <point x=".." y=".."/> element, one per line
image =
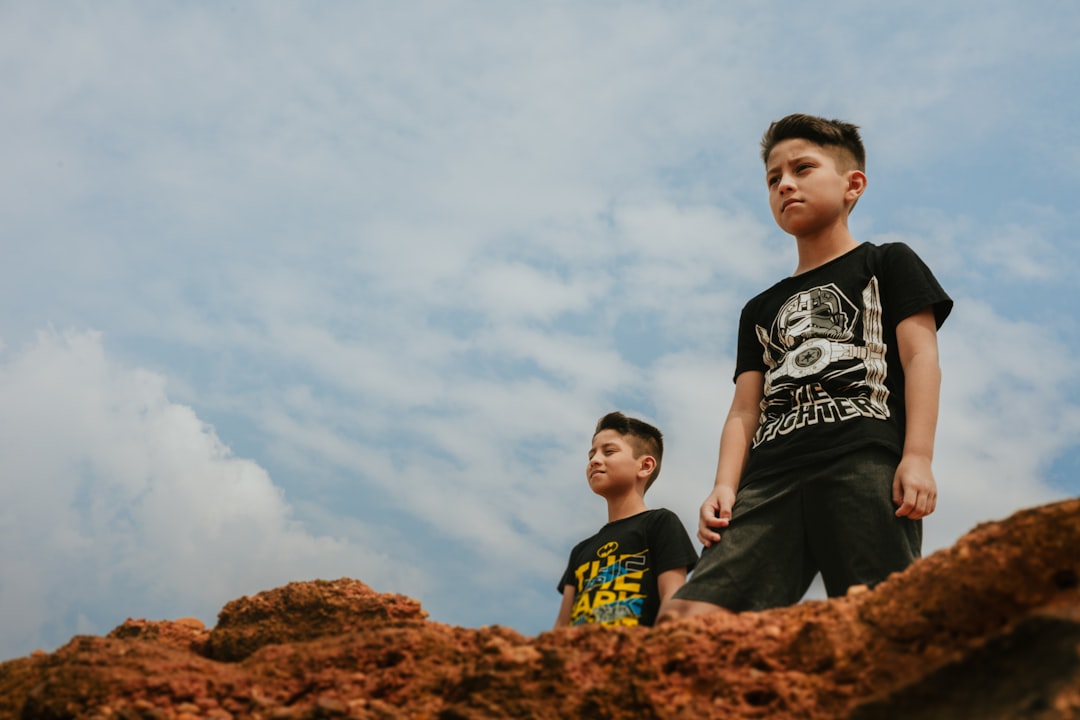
<point x="830" y="134"/>
<point x="640" y="435"/>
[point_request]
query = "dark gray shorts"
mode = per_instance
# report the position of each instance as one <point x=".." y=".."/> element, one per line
<point x="835" y="517"/>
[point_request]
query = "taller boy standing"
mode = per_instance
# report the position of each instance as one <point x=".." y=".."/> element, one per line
<point x="825" y="454"/>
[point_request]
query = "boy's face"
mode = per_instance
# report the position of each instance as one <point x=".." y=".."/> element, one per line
<point x="807" y="191"/>
<point x="612" y="467"/>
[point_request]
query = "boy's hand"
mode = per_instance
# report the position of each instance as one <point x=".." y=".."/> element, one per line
<point x="715" y="513"/>
<point x="914" y="488"/>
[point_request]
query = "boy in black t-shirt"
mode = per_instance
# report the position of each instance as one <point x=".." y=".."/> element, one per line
<point x="620" y="575"/>
<point x="825" y="454"/>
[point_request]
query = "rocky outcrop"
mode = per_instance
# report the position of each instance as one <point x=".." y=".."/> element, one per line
<point x="989" y="628"/>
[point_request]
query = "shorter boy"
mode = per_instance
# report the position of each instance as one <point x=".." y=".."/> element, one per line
<point x="620" y="575"/>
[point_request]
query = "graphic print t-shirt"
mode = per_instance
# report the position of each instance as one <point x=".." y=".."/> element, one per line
<point x="826" y="343"/>
<point x="614" y="572"/>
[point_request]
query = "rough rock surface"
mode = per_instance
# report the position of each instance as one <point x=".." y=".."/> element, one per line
<point x="989" y="628"/>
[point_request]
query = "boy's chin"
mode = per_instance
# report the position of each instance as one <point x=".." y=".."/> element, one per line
<point x="601" y="488"/>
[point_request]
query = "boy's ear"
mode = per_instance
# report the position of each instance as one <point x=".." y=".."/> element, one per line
<point x="646" y="465"/>
<point x="856" y="185"/>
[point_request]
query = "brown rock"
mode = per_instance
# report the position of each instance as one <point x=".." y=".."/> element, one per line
<point x="187" y="633"/>
<point x="303" y="611"/>
<point x="989" y="628"/>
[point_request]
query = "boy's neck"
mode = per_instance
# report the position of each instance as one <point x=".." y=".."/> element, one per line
<point x="816" y="250"/>
<point x="624" y="506"/>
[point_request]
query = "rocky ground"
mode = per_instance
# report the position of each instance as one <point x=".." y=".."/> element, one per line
<point x="989" y="628"/>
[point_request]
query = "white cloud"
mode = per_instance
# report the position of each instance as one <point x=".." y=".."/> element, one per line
<point x="117" y="500"/>
<point x="1023" y="253"/>
<point x="693" y="393"/>
<point x="515" y="290"/>
<point x="1005" y="414"/>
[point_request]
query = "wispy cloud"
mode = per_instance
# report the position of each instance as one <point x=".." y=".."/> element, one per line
<point x="116" y="497"/>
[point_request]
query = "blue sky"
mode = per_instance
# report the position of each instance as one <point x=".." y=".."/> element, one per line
<point x="295" y="291"/>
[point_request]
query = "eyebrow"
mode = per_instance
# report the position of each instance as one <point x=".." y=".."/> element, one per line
<point x="603" y="446"/>
<point x="772" y="169"/>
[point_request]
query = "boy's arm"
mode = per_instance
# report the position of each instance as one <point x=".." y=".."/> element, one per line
<point x="914" y="488"/>
<point x="669" y="581"/>
<point x="739" y="428"/>
<point x="563" y="618"/>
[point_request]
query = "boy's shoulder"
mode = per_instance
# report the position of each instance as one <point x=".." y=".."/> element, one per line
<point x="654" y="515"/>
<point x="643" y="521"/>
<point x="902" y="276"/>
<point x="873" y="254"/>
<point x="644" y="518"/>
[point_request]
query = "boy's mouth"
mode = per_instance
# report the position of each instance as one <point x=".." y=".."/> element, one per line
<point x="790" y="201"/>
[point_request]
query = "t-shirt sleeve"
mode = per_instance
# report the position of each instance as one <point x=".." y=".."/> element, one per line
<point x="750" y="353"/>
<point x="567" y="579"/>
<point x="911" y="286"/>
<point x="670" y="544"/>
<point x="568" y="574"/>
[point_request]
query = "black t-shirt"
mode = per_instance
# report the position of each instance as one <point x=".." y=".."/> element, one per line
<point x="614" y="571"/>
<point x="826" y="343"/>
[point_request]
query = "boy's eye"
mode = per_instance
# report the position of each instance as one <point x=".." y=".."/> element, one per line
<point x="773" y="181"/>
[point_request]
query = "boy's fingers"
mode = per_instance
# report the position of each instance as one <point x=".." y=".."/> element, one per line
<point x="707" y="527"/>
<point x="918" y="506"/>
<point x="712" y="521"/>
<point x="707" y="536"/>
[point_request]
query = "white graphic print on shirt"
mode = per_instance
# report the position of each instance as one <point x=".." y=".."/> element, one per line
<point x="817" y="371"/>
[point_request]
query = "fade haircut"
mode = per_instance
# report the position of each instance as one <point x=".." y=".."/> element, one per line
<point x="835" y="135"/>
<point x="642" y="437"/>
